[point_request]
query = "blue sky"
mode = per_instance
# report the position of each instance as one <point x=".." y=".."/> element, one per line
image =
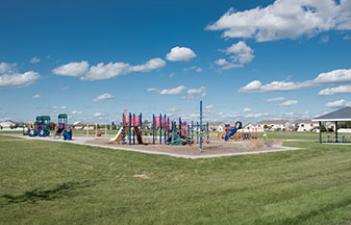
<point x="248" y="60"/>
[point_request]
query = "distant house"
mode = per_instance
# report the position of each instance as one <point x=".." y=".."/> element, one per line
<point x="306" y="125"/>
<point x="7" y="124"/>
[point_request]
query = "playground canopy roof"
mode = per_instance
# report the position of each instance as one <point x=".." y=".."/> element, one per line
<point x="343" y="115"/>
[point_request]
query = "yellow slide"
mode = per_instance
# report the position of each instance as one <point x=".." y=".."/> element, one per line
<point x="118" y="137"/>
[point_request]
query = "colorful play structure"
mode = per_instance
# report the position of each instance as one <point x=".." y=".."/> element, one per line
<point x="238" y="132"/>
<point x="43" y="126"/>
<point x="164" y="130"/>
<point x="62" y="127"/>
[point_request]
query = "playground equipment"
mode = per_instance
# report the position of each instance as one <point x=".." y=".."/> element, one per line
<point x="131" y="128"/>
<point x="170" y="132"/>
<point x="238" y="132"/>
<point x="41" y="127"/>
<point x="62" y="127"/>
<point x="164" y="130"/>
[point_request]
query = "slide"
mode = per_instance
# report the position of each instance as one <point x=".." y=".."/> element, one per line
<point x="118" y="137"/>
<point x="233" y="130"/>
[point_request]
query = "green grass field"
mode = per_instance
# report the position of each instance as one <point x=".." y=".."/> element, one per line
<point x="60" y="183"/>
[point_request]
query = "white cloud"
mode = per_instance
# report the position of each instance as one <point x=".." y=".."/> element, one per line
<point x="72" y="69"/>
<point x="247" y="109"/>
<point x="276" y="99"/>
<point x="338" y="103"/>
<point x="180" y="54"/>
<point x="289" y="103"/>
<point x="103" y="97"/>
<point x="285" y="19"/>
<point x="152" y="64"/>
<point x="342" y="89"/>
<point x="334" y="76"/>
<point x="225" y="64"/>
<point x="6" y="67"/>
<point x="34" y="60"/>
<point x="252" y="86"/>
<point x="18" y="79"/>
<point x="196" y="92"/>
<point x="103" y="71"/>
<point x="173" y="91"/>
<point x="36" y="96"/>
<point x="240" y="53"/>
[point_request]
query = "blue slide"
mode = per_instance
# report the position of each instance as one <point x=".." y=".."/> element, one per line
<point x="233" y="130"/>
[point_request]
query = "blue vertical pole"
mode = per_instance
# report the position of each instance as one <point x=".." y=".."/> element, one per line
<point x="201" y="138"/>
<point x="129" y="129"/>
<point x="192" y="131"/>
<point x="141" y="122"/>
<point x="168" y="130"/>
<point x="153" y="128"/>
<point x="207" y="133"/>
<point x="123" y="130"/>
<point x="160" y="128"/>
<point x="197" y="132"/>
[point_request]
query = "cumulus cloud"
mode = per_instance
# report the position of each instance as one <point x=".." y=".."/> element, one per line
<point x="225" y="64"/>
<point x="103" y="97"/>
<point x="338" y="103"/>
<point x="252" y="86"/>
<point x="103" y="71"/>
<point x="335" y="76"/>
<point x="173" y="91"/>
<point x="288" y="103"/>
<point x="180" y="54"/>
<point x="239" y="53"/>
<point x="34" y="60"/>
<point x="285" y="19"/>
<point x="342" y="89"/>
<point x="18" y="79"/>
<point x="72" y="69"/>
<point x="152" y="64"/>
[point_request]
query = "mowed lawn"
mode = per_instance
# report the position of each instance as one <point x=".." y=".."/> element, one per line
<point x="60" y="183"/>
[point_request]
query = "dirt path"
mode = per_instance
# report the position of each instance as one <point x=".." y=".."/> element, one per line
<point x="217" y="149"/>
